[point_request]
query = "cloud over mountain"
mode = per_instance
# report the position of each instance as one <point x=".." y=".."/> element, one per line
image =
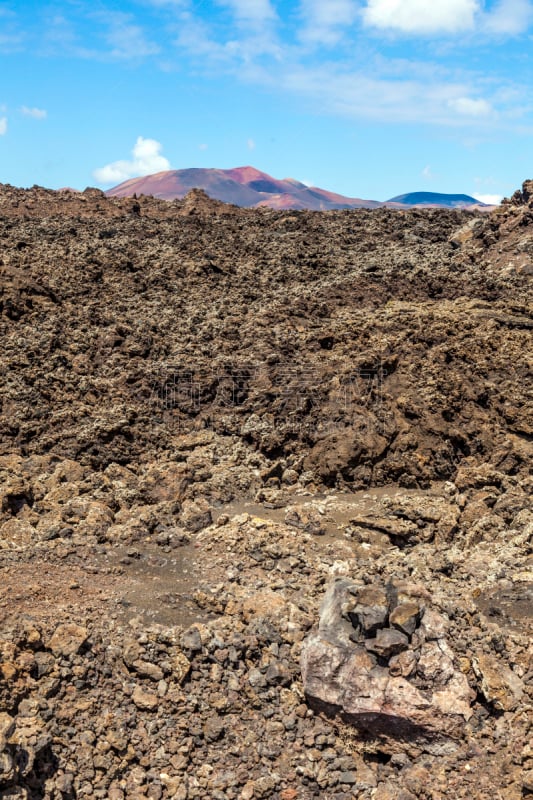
<point x="146" y="159"/>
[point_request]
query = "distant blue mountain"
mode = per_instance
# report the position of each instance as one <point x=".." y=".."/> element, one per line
<point x="435" y="199"/>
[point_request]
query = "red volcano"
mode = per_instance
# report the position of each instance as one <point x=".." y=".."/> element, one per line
<point x="242" y="186"/>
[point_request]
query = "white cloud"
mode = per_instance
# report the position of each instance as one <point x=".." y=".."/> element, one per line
<point x="194" y="38"/>
<point x="489" y="199"/>
<point x="426" y="17"/>
<point x="469" y="107"/>
<point x="163" y="3"/>
<point x="116" y="38"/>
<point x="146" y="160"/>
<point x="250" y="11"/>
<point x="422" y="16"/>
<point x="325" y="21"/>
<point x="36" y="113"/>
<point x="3" y="126"/>
<point x="127" y="41"/>
<point x="427" y="173"/>
<point x="356" y="83"/>
<point x="509" y="17"/>
<point x="250" y="144"/>
<point x="10" y="43"/>
<point x="203" y="146"/>
<point x="426" y="98"/>
<point x="11" y="37"/>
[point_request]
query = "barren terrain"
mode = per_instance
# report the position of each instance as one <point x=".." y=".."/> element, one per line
<point x="210" y="419"/>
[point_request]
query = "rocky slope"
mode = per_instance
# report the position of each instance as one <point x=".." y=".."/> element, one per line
<point x="208" y="416"/>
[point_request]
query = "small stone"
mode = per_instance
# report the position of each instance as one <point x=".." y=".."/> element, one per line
<point x="288" y="794"/>
<point x="527" y="782"/>
<point x="388" y="642"/>
<point x="435" y="663"/>
<point x="256" y="678"/>
<point x="191" y="640"/>
<point x="499" y="684"/>
<point x="146" y="701"/>
<point x="148" y="670"/>
<point x="117" y="740"/>
<point x="248" y="791"/>
<point x="264" y="786"/>
<point x="196" y="515"/>
<point x="8" y="671"/>
<point x="277" y="673"/>
<point x="214" y="729"/>
<point x="371" y="610"/>
<point x="465" y="665"/>
<point x="305" y="519"/>
<point x="433" y="625"/>
<point x="262" y="604"/>
<point x="68" y="639"/>
<point x="405" y="617"/>
<point x="173" y="784"/>
<point x="403" y="664"/>
<point x="63" y="783"/>
<point x="7" y="726"/>
<point x="131" y="652"/>
<point x="348" y="777"/>
<point x="290" y="477"/>
<point x="180" y="667"/>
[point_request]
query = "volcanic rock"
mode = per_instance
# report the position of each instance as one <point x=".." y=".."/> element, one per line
<point x="67" y="639"/>
<point x="340" y="677"/>
<point x="179" y="382"/>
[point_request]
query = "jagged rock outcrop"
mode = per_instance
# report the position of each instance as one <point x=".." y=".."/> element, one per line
<point x="522" y="197"/>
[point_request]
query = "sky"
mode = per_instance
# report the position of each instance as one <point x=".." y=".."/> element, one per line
<point x="368" y="98"/>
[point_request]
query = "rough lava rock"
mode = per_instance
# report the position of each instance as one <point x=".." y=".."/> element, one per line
<point x="344" y="671"/>
<point x="206" y="415"/>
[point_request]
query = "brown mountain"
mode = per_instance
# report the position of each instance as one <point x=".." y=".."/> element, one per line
<point x="242" y="186"/>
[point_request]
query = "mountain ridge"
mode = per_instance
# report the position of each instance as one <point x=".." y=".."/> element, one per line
<point x="249" y="187"/>
<point x="435" y="198"/>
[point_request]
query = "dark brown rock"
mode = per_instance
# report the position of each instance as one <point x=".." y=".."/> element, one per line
<point x="388" y="642"/>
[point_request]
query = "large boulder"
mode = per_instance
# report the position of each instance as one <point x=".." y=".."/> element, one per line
<point x="381" y="660"/>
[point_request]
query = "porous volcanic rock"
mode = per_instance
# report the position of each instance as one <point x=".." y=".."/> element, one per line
<point x="354" y="348"/>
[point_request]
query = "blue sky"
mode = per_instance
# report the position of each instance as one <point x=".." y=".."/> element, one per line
<point x="370" y="98"/>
